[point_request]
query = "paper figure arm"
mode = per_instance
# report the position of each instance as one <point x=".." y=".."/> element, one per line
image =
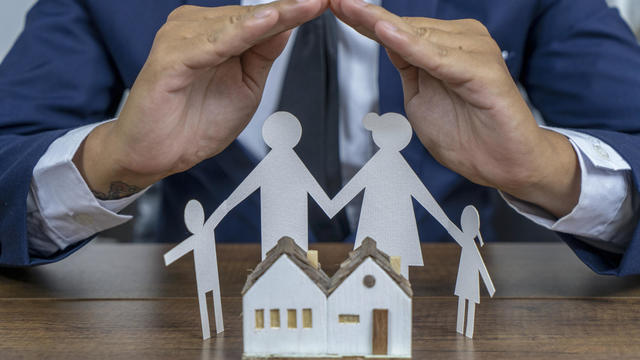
<point x="217" y="216"/>
<point x="487" y="280"/>
<point x="250" y="184"/>
<point x="348" y="192"/>
<point x="179" y="250"/>
<point x="426" y="200"/>
<point x="319" y="195"/>
<point x="485" y="274"/>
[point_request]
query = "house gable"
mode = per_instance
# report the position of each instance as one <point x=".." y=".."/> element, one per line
<point x="368" y="250"/>
<point x="287" y="247"/>
<point x="350" y="312"/>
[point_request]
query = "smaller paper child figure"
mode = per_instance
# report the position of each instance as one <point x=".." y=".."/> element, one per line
<point x="468" y="283"/>
<point x="203" y="244"/>
<point x="389" y="181"/>
<point x="284" y="182"/>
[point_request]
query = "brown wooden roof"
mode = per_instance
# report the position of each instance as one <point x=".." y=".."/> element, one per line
<point x="357" y="256"/>
<point x="286" y="246"/>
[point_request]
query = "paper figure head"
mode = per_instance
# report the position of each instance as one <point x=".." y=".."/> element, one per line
<point x="194" y="216"/>
<point x="390" y="131"/>
<point x="281" y="130"/>
<point x="470" y="220"/>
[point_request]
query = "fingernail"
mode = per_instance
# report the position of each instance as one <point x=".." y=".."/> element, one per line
<point x="387" y="26"/>
<point x="301" y="1"/>
<point x="360" y="2"/>
<point x="263" y="13"/>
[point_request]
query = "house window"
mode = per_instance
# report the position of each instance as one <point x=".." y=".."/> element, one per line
<point x="260" y="319"/>
<point x="369" y="281"/>
<point x="307" y="322"/>
<point x="275" y="318"/>
<point x="292" y="323"/>
<point x="349" y="319"/>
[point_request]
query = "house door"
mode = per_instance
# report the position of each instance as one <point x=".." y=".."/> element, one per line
<point x="380" y="331"/>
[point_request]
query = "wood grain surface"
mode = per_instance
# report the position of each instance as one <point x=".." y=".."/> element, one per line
<point x="133" y="271"/>
<point x="169" y="329"/>
<point x="119" y="301"/>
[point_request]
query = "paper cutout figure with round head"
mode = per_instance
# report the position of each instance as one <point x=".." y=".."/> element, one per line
<point x="390" y="131"/>
<point x="470" y="267"/>
<point x="282" y="132"/>
<point x="470" y="222"/>
<point x="285" y="184"/>
<point x="389" y="185"/>
<point x="205" y="260"/>
<point x="194" y="216"/>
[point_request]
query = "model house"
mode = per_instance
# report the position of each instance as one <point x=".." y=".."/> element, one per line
<point x="284" y="304"/>
<point x="292" y="308"/>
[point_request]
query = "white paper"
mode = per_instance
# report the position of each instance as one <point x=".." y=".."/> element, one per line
<point x="389" y="185"/>
<point x="387" y="215"/>
<point x="284" y="182"/>
<point x="203" y="244"/>
<point x="470" y="267"/>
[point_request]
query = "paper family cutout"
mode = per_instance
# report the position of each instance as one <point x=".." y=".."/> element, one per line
<point x="284" y="182"/>
<point x="471" y="264"/>
<point x="387" y="214"/>
<point x="203" y="245"/>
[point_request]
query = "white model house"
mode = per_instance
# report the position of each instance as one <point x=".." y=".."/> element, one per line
<point x="292" y="308"/>
<point x="369" y="306"/>
<point x="284" y="304"/>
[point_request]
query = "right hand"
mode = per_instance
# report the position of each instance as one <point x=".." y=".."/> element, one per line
<point x="198" y="89"/>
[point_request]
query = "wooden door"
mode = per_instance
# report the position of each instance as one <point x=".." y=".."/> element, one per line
<point x="380" y="331"/>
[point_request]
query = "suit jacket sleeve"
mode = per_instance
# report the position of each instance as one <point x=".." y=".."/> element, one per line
<point x="58" y="76"/>
<point x="581" y="71"/>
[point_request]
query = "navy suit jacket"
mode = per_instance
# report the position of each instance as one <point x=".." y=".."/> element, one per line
<point x="577" y="59"/>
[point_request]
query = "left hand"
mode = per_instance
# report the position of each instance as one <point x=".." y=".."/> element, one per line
<point x="466" y="109"/>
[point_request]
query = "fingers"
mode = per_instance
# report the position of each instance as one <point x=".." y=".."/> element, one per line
<point x="452" y="51"/>
<point x="363" y="17"/>
<point x="469" y="41"/>
<point x="434" y="58"/>
<point x="456" y="62"/>
<point x="203" y="37"/>
<point x="290" y="13"/>
<point x="257" y="61"/>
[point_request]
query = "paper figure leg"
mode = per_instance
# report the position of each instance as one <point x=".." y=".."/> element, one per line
<point x="471" y="314"/>
<point x="204" y="315"/>
<point x="217" y="308"/>
<point x="461" y="304"/>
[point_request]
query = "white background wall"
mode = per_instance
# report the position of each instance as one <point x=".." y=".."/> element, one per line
<point x="12" y="14"/>
<point x="630" y="10"/>
<point x="12" y="18"/>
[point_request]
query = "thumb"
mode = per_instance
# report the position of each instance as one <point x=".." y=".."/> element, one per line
<point x="257" y="60"/>
<point x="408" y="74"/>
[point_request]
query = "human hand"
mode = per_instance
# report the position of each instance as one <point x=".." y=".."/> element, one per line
<point x="466" y="109"/>
<point x="200" y="86"/>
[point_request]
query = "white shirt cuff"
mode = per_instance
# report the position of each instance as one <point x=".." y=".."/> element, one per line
<point x="604" y="216"/>
<point x="62" y="210"/>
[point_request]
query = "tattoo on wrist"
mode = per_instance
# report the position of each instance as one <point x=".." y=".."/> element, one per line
<point x="117" y="190"/>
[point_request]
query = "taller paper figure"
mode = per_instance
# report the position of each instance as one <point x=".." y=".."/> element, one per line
<point x="203" y="244"/>
<point x="284" y="182"/>
<point x="387" y="209"/>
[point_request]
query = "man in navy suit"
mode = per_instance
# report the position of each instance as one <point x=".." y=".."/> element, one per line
<point x="197" y="79"/>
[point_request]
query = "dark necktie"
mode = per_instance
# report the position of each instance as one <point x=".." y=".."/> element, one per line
<point x="310" y="92"/>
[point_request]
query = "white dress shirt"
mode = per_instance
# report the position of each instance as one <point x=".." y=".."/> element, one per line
<point x="62" y="210"/>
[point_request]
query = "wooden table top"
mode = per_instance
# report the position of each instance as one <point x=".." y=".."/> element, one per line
<point x="119" y="301"/>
